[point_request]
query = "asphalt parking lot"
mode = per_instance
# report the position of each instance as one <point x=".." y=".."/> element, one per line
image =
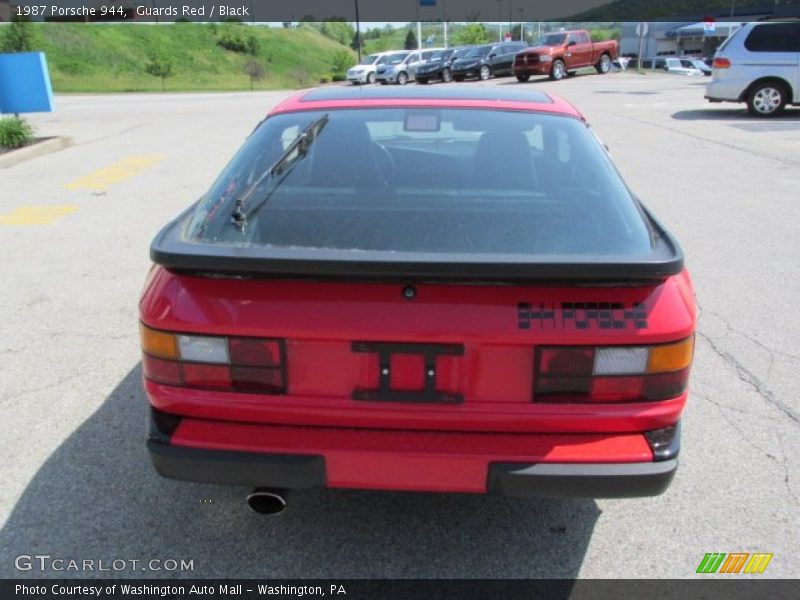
<point x="77" y="483"/>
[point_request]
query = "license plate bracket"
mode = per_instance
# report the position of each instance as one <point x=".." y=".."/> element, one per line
<point x="429" y="352"/>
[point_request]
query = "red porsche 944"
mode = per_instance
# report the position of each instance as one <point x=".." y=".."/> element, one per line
<point x="443" y="290"/>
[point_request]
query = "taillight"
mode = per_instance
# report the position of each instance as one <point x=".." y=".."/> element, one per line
<point x="241" y="364"/>
<point x="721" y="63"/>
<point x="612" y="373"/>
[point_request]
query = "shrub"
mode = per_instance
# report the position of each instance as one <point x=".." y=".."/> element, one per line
<point x="339" y="76"/>
<point x="15" y="132"/>
<point x="325" y="79"/>
<point x="342" y="60"/>
<point x="231" y="38"/>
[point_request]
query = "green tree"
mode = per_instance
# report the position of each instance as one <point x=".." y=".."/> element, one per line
<point x="474" y="33"/>
<point x="159" y="64"/>
<point x="253" y="45"/>
<point x="411" y="40"/>
<point x="357" y="42"/>
<point x="19" y="36"/>
<point x="338" y="29"/>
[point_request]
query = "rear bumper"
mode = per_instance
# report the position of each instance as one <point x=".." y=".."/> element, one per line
<point x="725" y="90"/>
<point x="625" y="480"/>
<point x="529" y="465"/>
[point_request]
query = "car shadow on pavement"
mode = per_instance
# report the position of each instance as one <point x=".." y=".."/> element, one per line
<point x="98" y="497"/>
<point x="733" y="114"/>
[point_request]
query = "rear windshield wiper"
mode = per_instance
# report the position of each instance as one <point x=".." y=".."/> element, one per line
<point x="279" y="171"/>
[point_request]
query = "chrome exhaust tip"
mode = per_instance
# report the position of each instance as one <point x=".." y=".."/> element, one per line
<point x="266" y="502"/>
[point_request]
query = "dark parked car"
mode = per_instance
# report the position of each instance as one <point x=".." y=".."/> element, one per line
<point x="485" y="61"/>
<point x="438" y="65"/>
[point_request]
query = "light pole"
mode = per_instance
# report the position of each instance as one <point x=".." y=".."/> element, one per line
<point x="521" y="26"/>
<point x="500" y="20"/>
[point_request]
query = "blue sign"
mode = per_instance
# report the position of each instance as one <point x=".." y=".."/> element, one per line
<point x="25" y="83"/>
<point x="427" y="2"/>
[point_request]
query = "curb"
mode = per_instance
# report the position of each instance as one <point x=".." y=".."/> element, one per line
<point x="35" y="150"/>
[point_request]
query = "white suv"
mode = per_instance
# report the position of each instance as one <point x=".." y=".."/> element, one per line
<point x="364" y="72"/>
<point x="759" y="64"/>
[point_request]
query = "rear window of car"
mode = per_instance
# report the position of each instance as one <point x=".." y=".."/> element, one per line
<point x="447" y="180"/>
<point x="774" y="37"/>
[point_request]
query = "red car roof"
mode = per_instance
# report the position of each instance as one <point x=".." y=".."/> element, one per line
<point x="450" y="96"/>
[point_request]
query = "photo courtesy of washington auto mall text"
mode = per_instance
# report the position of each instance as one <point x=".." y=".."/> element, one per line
<point x="183" y="590"/>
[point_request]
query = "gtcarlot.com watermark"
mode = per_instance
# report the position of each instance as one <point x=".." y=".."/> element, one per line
<point x="43" y="563"/>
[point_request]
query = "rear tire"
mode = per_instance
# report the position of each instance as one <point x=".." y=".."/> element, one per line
<point x="603" y="65"/>
<point x="766" y="99"/>
<point x="484" y="73"/>
<point x="402" y="78"/>
<point x="523" y="78"/>
<point x="371" y="78"/>
<point x="558" y="71"/>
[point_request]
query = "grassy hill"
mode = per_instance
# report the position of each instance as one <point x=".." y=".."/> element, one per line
<point x="114" y="58"/>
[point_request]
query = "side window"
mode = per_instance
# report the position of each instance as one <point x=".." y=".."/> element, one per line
<point x="583" y="37"/>
<point x="778" y="37"/>
<point x="571" y="38"/>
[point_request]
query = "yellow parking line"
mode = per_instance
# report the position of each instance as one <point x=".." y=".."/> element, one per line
<point x="120" y="171"/>
<point x="37" y="215"/>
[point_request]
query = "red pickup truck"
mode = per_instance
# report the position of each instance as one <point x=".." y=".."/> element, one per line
<point x="561" y="53"/>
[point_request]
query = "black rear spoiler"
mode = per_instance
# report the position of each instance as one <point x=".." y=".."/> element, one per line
<point x="171" y="250"/>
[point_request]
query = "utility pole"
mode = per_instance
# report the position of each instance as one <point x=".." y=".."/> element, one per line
<point x="358" y="33"/>
<point x="444" y="20"/>
<point x="419" y="29"/>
